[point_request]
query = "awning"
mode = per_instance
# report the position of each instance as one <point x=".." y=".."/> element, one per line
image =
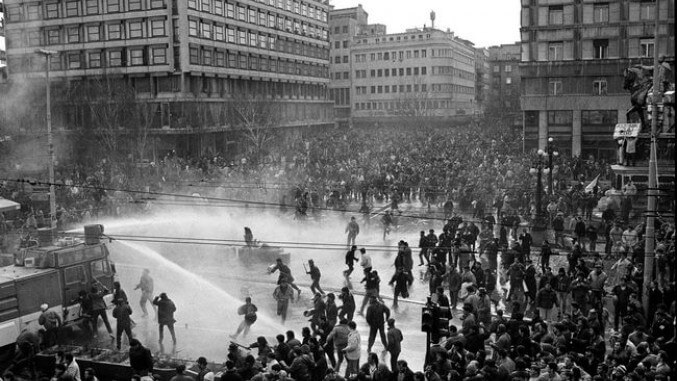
<point x="627" y="130"/>
<point x="7" y="205"/>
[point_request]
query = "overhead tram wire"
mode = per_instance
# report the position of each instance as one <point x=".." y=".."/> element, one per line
<point x="248" y="203"/>
<point x="201" y="198"/>
<point x="231" y="243"/>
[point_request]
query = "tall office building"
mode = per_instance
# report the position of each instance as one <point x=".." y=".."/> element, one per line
<point x="482" y="78"/>
<point x="190" y="56"/>
<point x="573" y="56"/>
<point x="344" y="24"/>
<point x="504" y="84"/>
<point x="423" y="72"/>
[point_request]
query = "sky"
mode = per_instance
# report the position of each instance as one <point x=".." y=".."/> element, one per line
<point x="484" y="22"/>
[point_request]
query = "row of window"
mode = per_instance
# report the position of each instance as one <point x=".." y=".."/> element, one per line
<point x="80" y="33"/>
<point x="207" y="56"/>
<point x="600" y="13"/>
<point x="506" y="68"/>
<point x="298" y="7"/>
<point x="94" y="59"/>
<point x="259" y="17"/>
<point x="76" y="8"/>
<point x="600" y="49"/>
<point x="377" y="73"/>
<point x="387" y="56"/>
<point x="556" y="87"/>
<point x="341" y="75"/>
<point x="340" y="97"/>
<point x="405" y="105"/>
<point x="378" y="40"/>
<point x="588" y="118"/>
<point x="341" y="29"/>
<point x="215" y="31"/>
<point x="454" y="72"/>
<point x="345" y="44"/>
<point x="416" y="88"/>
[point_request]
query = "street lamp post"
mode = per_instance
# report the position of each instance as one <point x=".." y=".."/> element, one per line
<point x="538" y="169"/>
<point x="552" y="152"/>
<point x="50" y="143"/>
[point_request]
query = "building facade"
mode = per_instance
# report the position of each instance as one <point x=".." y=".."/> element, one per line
<point x="183" y="54"/>
<point x="504" y="84"/>
<point x="573" y="56"/>
<point x="344" y="24"/>
<point x="482" y="79"/>
<point x="420" y="73"/>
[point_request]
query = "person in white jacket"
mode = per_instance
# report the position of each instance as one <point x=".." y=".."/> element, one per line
<point x="352" y="351"/>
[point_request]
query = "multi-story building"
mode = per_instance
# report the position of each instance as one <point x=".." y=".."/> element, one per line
<point x="573" y="56"/>
<point x="419" y="73"/>
<point x="191" y="56"/>
<point x="504" y="84"/>
<point x="344" y="24"/>
<point x="482" y="78"/>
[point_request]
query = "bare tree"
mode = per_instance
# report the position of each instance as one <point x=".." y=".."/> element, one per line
<point x="109" y="101"/>
<point x="257" y="118"/>
<point x="145" y="115"/>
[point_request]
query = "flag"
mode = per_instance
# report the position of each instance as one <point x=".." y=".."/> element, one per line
<point x="593" y="183"/>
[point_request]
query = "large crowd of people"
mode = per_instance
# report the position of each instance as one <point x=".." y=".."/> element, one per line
<point x="516" y="312"/>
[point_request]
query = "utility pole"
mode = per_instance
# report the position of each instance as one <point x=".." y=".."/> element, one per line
<point x="50" y="143"/>
<point x="649" y="237"/>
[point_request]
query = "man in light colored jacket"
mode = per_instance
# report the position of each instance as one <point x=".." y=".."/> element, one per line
<point x="352" y="351"/>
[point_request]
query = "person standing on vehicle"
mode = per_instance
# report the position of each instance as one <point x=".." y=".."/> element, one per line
<point x="52" y="322"/>
<point x="249" y="311"/>
<point x="99" y="309"/>
<point x="315" y="276"/>
<point x="118" y="292"/>
<point x="146" y="287"/>
<point x="165" y="315"/>
<point x="353" y="229"/>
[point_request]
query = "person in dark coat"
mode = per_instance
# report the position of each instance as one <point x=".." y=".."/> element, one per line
<point x="400" y="280"/>
<point x="530" y="280"/>
<point x="248" y="310"/>
<point x="394" y="347"/>
<point x="405" y="374"/>
<point x="546" y="252"/>
<point x="526" y="240"/>
<point x="377" y="314"/>
<point x="99" y="309"/>
<point x="315" y="276"/>
<point x="122" y="313"/>
<point x="347" y="309"/>
<point x="140" y="358"/>
<point x="165" y="313"/>
<point x="118" y="292"/>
